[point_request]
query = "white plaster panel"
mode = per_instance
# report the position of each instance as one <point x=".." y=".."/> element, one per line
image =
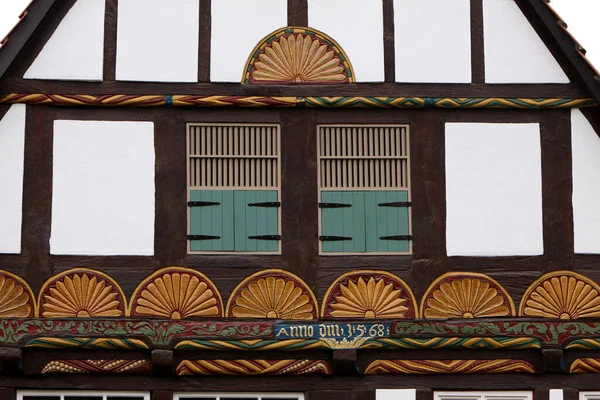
<point x="586" y="188"/>
<point x="493" y="189"/>
<point x="237" y="27"/>
<point x="433" y="41"/>
<point x="395" y="394"/>
<point x="556" y="394"/>
<point x="157" y="40"/>
<point x="514" y="53"/>
<point x="103" y="188"/>
<point x="75" y="51"/>
<point x="12" y="147"/>
<point x="357" y="26"/>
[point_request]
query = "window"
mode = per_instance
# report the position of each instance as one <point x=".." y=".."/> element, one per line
<point x="589" y="395"/>
<point x="233" y="182"/>
<point x="364" y="204"/>
<point x="238" y="396"/>
<point x="483" y="395"/>
<point x="80" y="395"/>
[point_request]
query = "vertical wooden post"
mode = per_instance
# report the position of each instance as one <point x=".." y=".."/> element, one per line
<point x="204" y="41"/>
<point x="389" y="40"/>
<point x="477" y="43"/>
<point x="298" y="12"/>
<point x="110" y="39"/>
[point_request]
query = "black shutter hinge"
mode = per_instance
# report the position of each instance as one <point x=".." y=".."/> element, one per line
<point x="397" y="237"/>
<point x="203" y="237"/>
<point x="334" y="238"/>
<point x="334" y="205"/>
<point x="395" y="204"/>
<point x="202" y="203"/>
<point x="266" y="237"/>
<point x="267" y="204"/>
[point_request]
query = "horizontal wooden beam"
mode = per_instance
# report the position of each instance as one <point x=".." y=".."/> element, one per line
<point x="377" y="102"/>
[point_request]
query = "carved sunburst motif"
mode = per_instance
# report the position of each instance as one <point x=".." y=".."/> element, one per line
<point x="16" y="298"/>
<point x="563" y="295"/>
<point x="81" y="293"/>
<point x="272" y="294"/>
<point x="297" y="55"/>
<point x="177" y="293"/>
<point x="369" y="294"/>
<point x="466" y="295"/>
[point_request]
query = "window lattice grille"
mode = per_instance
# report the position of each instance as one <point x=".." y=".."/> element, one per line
<point x="233" y="156"/>
<point x="368" y="157"/>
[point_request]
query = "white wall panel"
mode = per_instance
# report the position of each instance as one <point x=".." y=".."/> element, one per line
<point x="103" y="188"/>
<point x="514" y="53"/>
<point x="493" y="189"/>
<point x="357" y="26"/>
<point x="12" y="146"/>
<point x="237" y="27"/>
<point x="586" y="184"/>
<point x="157" y="40"/>
<point x="395" y="394"/>
<point x="76" y="49"/>
<point x="556" y="394"/>
<point x="433" y="41"/>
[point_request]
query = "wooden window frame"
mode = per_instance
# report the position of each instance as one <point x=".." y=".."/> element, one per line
<point x="241" y="395"/>
<point x="63" y="393"/>
<point x="589" y="395"/>
<point x="189" y="188"/>
<point x="483" y="395"/>
<point x="321" y="189"/>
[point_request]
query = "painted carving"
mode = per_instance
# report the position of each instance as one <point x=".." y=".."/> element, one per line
<point x="252" y="345"/>
<point x="296" y="55"/>
<point x="584" y="344"/>
<point x="81" y="293"/>
<point x="176" y="293"/>
<point x="466" y="295"/>
<point x="561" y="294"/>
<point x="87" y="343"/>
<point x="98" y="367"/>
<point x="272" y="294"/>
<point x="122" y="100"/>
<point x="254" y="367"/>
<point x="16" y="297"/>
<point x="585" y="366"/>
<point x="335" y="335"/>
<point x="454" y="343"/>
<point x="426" y="367"/>
<point x="369" y="294"/>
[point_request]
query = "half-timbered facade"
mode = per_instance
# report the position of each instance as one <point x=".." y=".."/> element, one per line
<point x="298" y="199"/>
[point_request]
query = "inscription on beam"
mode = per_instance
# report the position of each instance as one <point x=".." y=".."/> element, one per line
<point x="336" y="335"/>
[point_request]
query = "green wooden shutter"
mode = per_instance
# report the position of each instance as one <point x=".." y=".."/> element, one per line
<point x="387" y="218"/>
<point x="343" y="222"/>
<point x="212" y="220"/>
<point x="256" y="214"/>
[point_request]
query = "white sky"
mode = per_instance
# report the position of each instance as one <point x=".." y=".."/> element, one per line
<point x="580" y="15"/>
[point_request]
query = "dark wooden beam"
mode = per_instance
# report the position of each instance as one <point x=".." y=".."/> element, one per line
<point x="477" y="43"/>
<point x="234" y="89"/>
<point x="20" y="35"/>
<point x="553" y="360"/>
<point x="204" y="48"/>
<point x="298" y="12"/>
<point x="389" y="41"/>
<point x="8" y="393"/>
<point x="424" y="394"/>
<point x="37" y="196"/>
<point x="110" y="39"/>
<point x="557" y="189"/>
<point x="163" y="362"/>
<point x="162" y="395"/>
<point x="345" y="362"/>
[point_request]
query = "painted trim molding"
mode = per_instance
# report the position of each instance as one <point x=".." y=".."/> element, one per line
<point x="123" y="100"/>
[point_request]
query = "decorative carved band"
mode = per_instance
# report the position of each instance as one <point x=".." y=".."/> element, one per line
<point x="585" y="366"/>
<point x="123" y="100"/>
<point x="449" y="367"/>
<point x="254" y="367"/>
<point x="98" y="367"/>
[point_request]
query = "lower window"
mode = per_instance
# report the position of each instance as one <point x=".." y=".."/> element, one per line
<point x="238" y="396"/>
<point x="464" y="395"/>
<point x="80" y="395"/>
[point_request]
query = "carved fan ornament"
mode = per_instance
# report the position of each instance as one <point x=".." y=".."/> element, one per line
<point x="176" y="293"/>
<point x="562" y="295"/>
<point x="296" y="55"/>
<point x="16" y="297"/>
<point x="81" y="293"/>
<point x="369" y="294"/>
<point x="272" y="294"/>
<point x="466" y="295"/>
